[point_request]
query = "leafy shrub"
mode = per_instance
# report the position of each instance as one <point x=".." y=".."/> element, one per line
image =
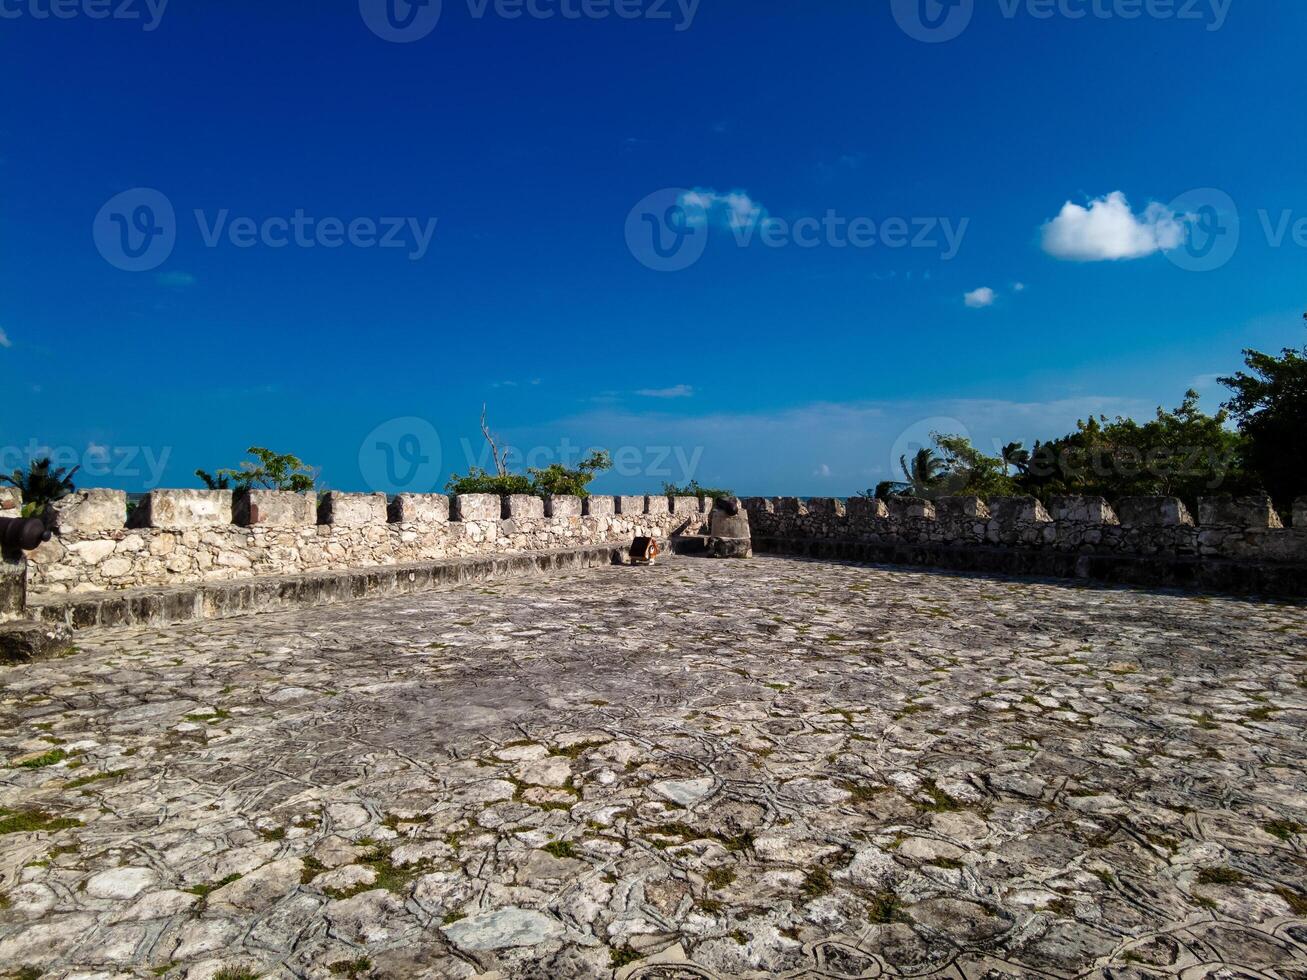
<point x="479" y="481"/>
<point x="693" y="489"/>
<point x="555" y="479"/>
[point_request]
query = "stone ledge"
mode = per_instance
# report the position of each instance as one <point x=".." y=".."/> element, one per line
<point x="219" y="600"/>
<point x="23" y="642"/>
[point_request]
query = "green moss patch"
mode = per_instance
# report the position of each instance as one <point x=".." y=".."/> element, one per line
<point x="33" y="821"/>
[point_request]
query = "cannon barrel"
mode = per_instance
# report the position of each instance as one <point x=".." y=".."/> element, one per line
<point x="22" y="533"/>
<point x="731" y="505"/>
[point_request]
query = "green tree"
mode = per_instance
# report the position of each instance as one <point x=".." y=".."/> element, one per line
<point x="570" y="481"/>
<point x="966" y="470"/>
<point x="272" y="471"/>
<point x="41" y="483"/>
<point x="1184" y="453"/>
<point x="1270" y="404"/>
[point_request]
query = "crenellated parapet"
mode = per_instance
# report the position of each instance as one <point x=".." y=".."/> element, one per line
<point x="1238" y="530"/>
<point x="182" y="536"/>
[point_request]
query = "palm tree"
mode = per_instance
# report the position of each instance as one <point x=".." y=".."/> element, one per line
<point x="1018" y="456"/>
<point x="219" y="482"/>
<point x="41" y="484"/>
<point x="925" y="471"/>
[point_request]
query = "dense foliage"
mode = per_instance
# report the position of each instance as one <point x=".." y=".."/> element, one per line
<point x="1183" y="453"/>
<point x="1270" y="405"/>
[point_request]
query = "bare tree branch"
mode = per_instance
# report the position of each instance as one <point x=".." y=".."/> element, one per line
<point x="500" y="466"/>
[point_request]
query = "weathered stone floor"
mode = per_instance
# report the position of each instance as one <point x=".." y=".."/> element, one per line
<point x="767" y="768"/>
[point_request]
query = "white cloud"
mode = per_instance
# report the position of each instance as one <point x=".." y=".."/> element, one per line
<point x="734" y="209"/>
<point x="675" y="391"/>
<point x="1108" y="230"/>
<point x="979" y="298"/>
<point x="4" y="339"/>
<point x="823" y="470"/>
<point x="1018" y="287"/>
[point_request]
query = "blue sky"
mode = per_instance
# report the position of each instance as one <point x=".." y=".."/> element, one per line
<point x="773" y="368"/>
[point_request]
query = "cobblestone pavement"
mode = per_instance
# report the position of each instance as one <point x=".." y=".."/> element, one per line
<point x="703" y="769"/>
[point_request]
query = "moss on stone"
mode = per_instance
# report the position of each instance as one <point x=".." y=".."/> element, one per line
<point x="33" y="821"/>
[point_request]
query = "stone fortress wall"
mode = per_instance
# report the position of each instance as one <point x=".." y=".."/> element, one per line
<point x="176" y="537"/>
<point x="1236" y="545"/>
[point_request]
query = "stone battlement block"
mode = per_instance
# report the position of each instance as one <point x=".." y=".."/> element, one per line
<point x="419" y="508"/>
<point x="562" y="505"/>
<point x="867" y="508"/>
<point x="599" y="506"/>
<point x="88" y="510"/>
<point x="1246" y="512"/>
<point x="182" y="509"/>
<point x="790" y="505"/>
<point x="630" y="506"/>
<point x="1153" y="512"/>
<point x="759" y="505"/>
<point x="1018" y="510"/>
<point x="826" y="506"/>
<point x="352" y="509"/>
<point x="1300" y="513"/>
<point x="681" y="506"/>
<point x="523" y="506"/>
<point x="1082" y="510"/>
<point x="478" y="507"/>
<point x="962" y="508"/>
<point x="274" y="508"/>
<point x="911" y="508"/>
<point x="657" y="505"/>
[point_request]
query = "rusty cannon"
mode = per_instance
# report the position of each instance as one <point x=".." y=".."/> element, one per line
<point x="19" y="534"/>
